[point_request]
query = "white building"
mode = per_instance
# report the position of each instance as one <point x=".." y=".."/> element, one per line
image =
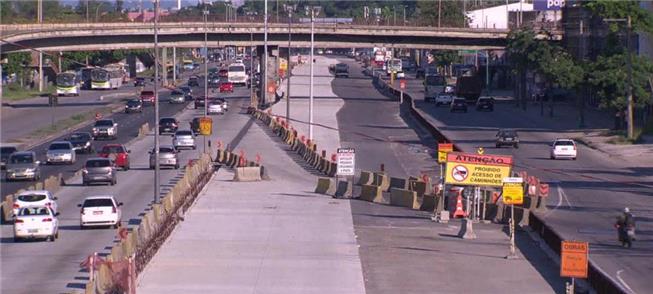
<point x="495" y="17"/>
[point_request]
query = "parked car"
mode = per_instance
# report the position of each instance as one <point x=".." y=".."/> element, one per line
<point x="226" y="86"/>
<point x="507" y="138"/>
<point x="5" y="151"/>
<point x="139" y="82"/>
<point x="81" y="142"/>
<point x="177" y="97"/>
<point x="36" y="222"/>
<point x="60" y="152"/>
<point x="564" y="148"/>
<point x="34" y="198"/>
<point x="485" y="103"/>
<point x="134" y="105"/>
<point x="147" y="97"/>
<point x="105" y="128"/>
<point x="193" y="81"/>
<point x="22" y="165"/>
<point x="458" y="104"/>
<point x="168" y="125"/>
<point x="118" y="153"/>
<point x="183" y="139"/>
<point x="215" y="107"/>
<point x="100" y="170"/>
<point x="167" y="157"/>
<point x="100" y="211"/>
<point x="443" y="99"/>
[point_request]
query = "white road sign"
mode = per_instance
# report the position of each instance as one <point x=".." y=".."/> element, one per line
<point x="346" y="160"/>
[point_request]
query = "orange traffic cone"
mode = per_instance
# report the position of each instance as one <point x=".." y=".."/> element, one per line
<point x="459" y="207"/>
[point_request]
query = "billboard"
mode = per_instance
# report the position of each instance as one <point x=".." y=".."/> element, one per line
<point x="477" y="170"/>
<point x="542" y="5"/>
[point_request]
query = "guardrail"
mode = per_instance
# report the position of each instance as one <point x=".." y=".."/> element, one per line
<point x="597" y="278"/>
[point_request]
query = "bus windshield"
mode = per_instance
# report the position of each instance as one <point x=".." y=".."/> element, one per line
<point x="65" y="79"/>
<point x="100" y="75"/>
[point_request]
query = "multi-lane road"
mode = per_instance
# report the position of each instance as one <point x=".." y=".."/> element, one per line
<point x="53" y="267"/>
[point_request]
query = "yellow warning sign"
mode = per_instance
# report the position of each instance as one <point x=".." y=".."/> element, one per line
<point x="513" y="193"/>
<point x="442" y="156"/>
<point x="480" y="151"/>
<point x="477" y="170"/>
<point x="206" y="126"/>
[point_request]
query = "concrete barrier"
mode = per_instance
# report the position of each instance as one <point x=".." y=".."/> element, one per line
<point x="247" y="174"/>
<point x="344" y="189"/>
<point x="333" y="170"/>
<point x="371" y="193"/>
<point x="324" y="185"/>
<point x="418" y="186"/>
<point x="381" y="179"/>
<point x="403" y="198"/>
<point x="7" y="208"/>
<point x="541" y="204"/>
<point x="428" y="202"/>
<point x="399" y="183"/>
<point x="365" y="178"/>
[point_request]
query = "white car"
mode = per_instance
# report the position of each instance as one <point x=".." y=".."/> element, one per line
<point x="215" y="107"/>
<point x="400" y="75"/>
<point x="100" y="211"/>
<point x="183" y="139"/>
<point x="60" y="152"/>
<point x="35" y="198"/>
<point x="443" y="99"/>
<point x="564" y="148"/>
<point x="34" y="222"/>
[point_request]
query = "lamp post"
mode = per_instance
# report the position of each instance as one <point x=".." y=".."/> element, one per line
<point x="157" y="186"/>
<point x="290" y="8"/>
<point x="629" y="64"/>
<point x="313" y="11"/>
<point x="205" y="13"/>
<point x="264" y="58"/>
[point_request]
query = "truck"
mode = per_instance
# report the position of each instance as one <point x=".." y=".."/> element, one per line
<point x="469" y="87"/>
<point x="433" y="86"/>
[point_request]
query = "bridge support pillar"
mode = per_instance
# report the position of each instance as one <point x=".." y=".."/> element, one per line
<point x="164" y="65"/>
<point x="271" y="76"/>
<point x="131" y="62"/>
<point x="174" y="64"/>
<point x="40" y="71"/>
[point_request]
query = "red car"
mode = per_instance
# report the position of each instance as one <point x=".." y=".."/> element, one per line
<point x="118" y="153"/>
<point x="223" y="73"/>
<point x="147" y="97"/>
<point x="226" y="87"/>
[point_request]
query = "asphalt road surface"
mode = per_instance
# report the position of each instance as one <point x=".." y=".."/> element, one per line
<point x="53" y="267"/>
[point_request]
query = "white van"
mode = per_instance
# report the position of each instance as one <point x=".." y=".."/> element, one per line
<point x="237" y="74"/>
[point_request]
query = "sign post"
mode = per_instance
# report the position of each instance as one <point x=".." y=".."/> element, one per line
<point x="345" y="164"/>
<point x="443" y="149"/>
<point x="513" y="193"/>
<point x="573" y="261"/>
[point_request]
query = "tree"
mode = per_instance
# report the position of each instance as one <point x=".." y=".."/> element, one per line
<point x="16" y="64"/>
<point x="609" y="75"/>
<point x="451" y="12"/>
<point x="642" y="20"/>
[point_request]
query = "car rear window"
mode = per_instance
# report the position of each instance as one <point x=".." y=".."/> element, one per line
<point x="509" y="134"/>
<point x="167" y="121"/>
<point x="184" y="133"/>
<point x="133" y="102"/>
<point x="99" y="202"/>
<point x="147" y="92"/>
<point x="98" y="163"/>
<point x="31" y="197"/>
<point x="80" y="136"/>
<point x="113" y="149"/>
<point x="59" y="146"/>
<point x="166" y="150"/>
<point x="34" y="211"/>
<point x="564" y="143"/>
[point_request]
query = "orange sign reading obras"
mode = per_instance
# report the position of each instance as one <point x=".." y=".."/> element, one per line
<point x="573" y="259"/>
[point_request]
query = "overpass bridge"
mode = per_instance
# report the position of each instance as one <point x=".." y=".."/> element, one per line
<point x="107" y="36"/>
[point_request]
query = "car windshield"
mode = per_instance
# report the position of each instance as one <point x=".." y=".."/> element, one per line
<point x="80" y="136"/>
<point x="144" y="93"/>
<point x="104" y="123"/>
<point x="7" y="150"/>
<point x="185" y="89"/>
<point x="166" y="150"/>
<point x="133" y="102"/>
<point x="31" y="197"/>
<point x="508" y="134"/>
<point x="237" y="68"/>
<point x="98" y="163"/>
<point x="34" y="211"/>
<point x="184" y="133"/>
<point x="59" y="146"/>
<point x="98" y="202"/>
<point x="21" y="158"/>
<point x="176" y="93"/>
<point x="564" y="143"/>
<point x="167" y="121"/>
<point x="113" y="149"/>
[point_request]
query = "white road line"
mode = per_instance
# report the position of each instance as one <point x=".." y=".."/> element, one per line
<point x="623" y="282"/>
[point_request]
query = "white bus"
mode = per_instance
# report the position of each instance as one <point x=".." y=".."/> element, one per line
<point x="67" y="84"/>
<point x="237" y="74"/>
<point x="107" y="78"/>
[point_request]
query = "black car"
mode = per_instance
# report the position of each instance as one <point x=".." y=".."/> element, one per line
<point x="134" y="105"/>
<point x="81" y="142"/>
<point x="485" y="104"/>
<point x="188" y="92"/>
<point x="168" y="125"/>
<point x="5" y="151"/>
<point x="458" y="104"/>
<point x="199" y="102"/>
<point x="139" y="82"/>
<point x="507" y="138"/>
<point x="195" y="125"/>
<point x="193" y="81"/>
<point x="214" y="82"/>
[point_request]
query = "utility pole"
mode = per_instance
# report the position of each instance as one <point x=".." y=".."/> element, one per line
<point x="631" y="118"/>
<point x="289" y="8"/>
<point x="264" y="76"/>
<point x="205" y="13"/>
<point x="157" y="167"/>
<point x="440" y="12"/>
<point x="39" y="9"/>
<point x="314" y="11"/>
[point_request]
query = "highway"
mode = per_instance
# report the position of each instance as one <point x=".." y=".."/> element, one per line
<point x="586" y="194"/>
<point x="46" y="267"/>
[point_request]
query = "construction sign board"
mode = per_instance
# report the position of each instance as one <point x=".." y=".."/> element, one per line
<point x="573" y="259"/>
<point x="346" y="160"/>
<point x="513" y="193"/>
<point x="442" y="157"/>
<point x="477" y="170"/>
<point x="443" y="149"/>
<point x="206" y="126"/>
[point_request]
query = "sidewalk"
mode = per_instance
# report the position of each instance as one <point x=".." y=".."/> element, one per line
<point x="260" y="237"/>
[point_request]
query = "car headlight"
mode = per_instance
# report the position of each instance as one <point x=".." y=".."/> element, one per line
<point x="87" y="144"/>
<point x="95" y="130"/>
<point x="30" y="170"/>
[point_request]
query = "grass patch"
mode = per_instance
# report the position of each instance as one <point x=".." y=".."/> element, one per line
<point x="620" y="137"/>
<point x="14" y="92"/>
<point x="65" y="123"/>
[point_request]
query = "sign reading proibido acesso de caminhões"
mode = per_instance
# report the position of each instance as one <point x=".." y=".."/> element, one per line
<point x="477" y="170"/>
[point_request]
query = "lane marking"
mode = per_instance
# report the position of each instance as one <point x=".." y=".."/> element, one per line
<point x="623" y="282"/>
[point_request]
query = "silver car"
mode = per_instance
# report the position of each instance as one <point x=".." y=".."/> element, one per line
<point x="106" y="128"/>
<point x="183" y="139"/>
<point x="60" y="152"/>
<point x="99" y="169"/>
<point x="167" y="157"/>
<point x="23" y="166"/>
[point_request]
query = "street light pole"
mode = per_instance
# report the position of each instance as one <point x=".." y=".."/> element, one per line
<point x="264" y="78"/>
<point x="631" y="120"/>
<point x="157" y="186"/>
<point x="312" y="60"/>
<point x="289" y="8"/>
<point x="206" y="69"/>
